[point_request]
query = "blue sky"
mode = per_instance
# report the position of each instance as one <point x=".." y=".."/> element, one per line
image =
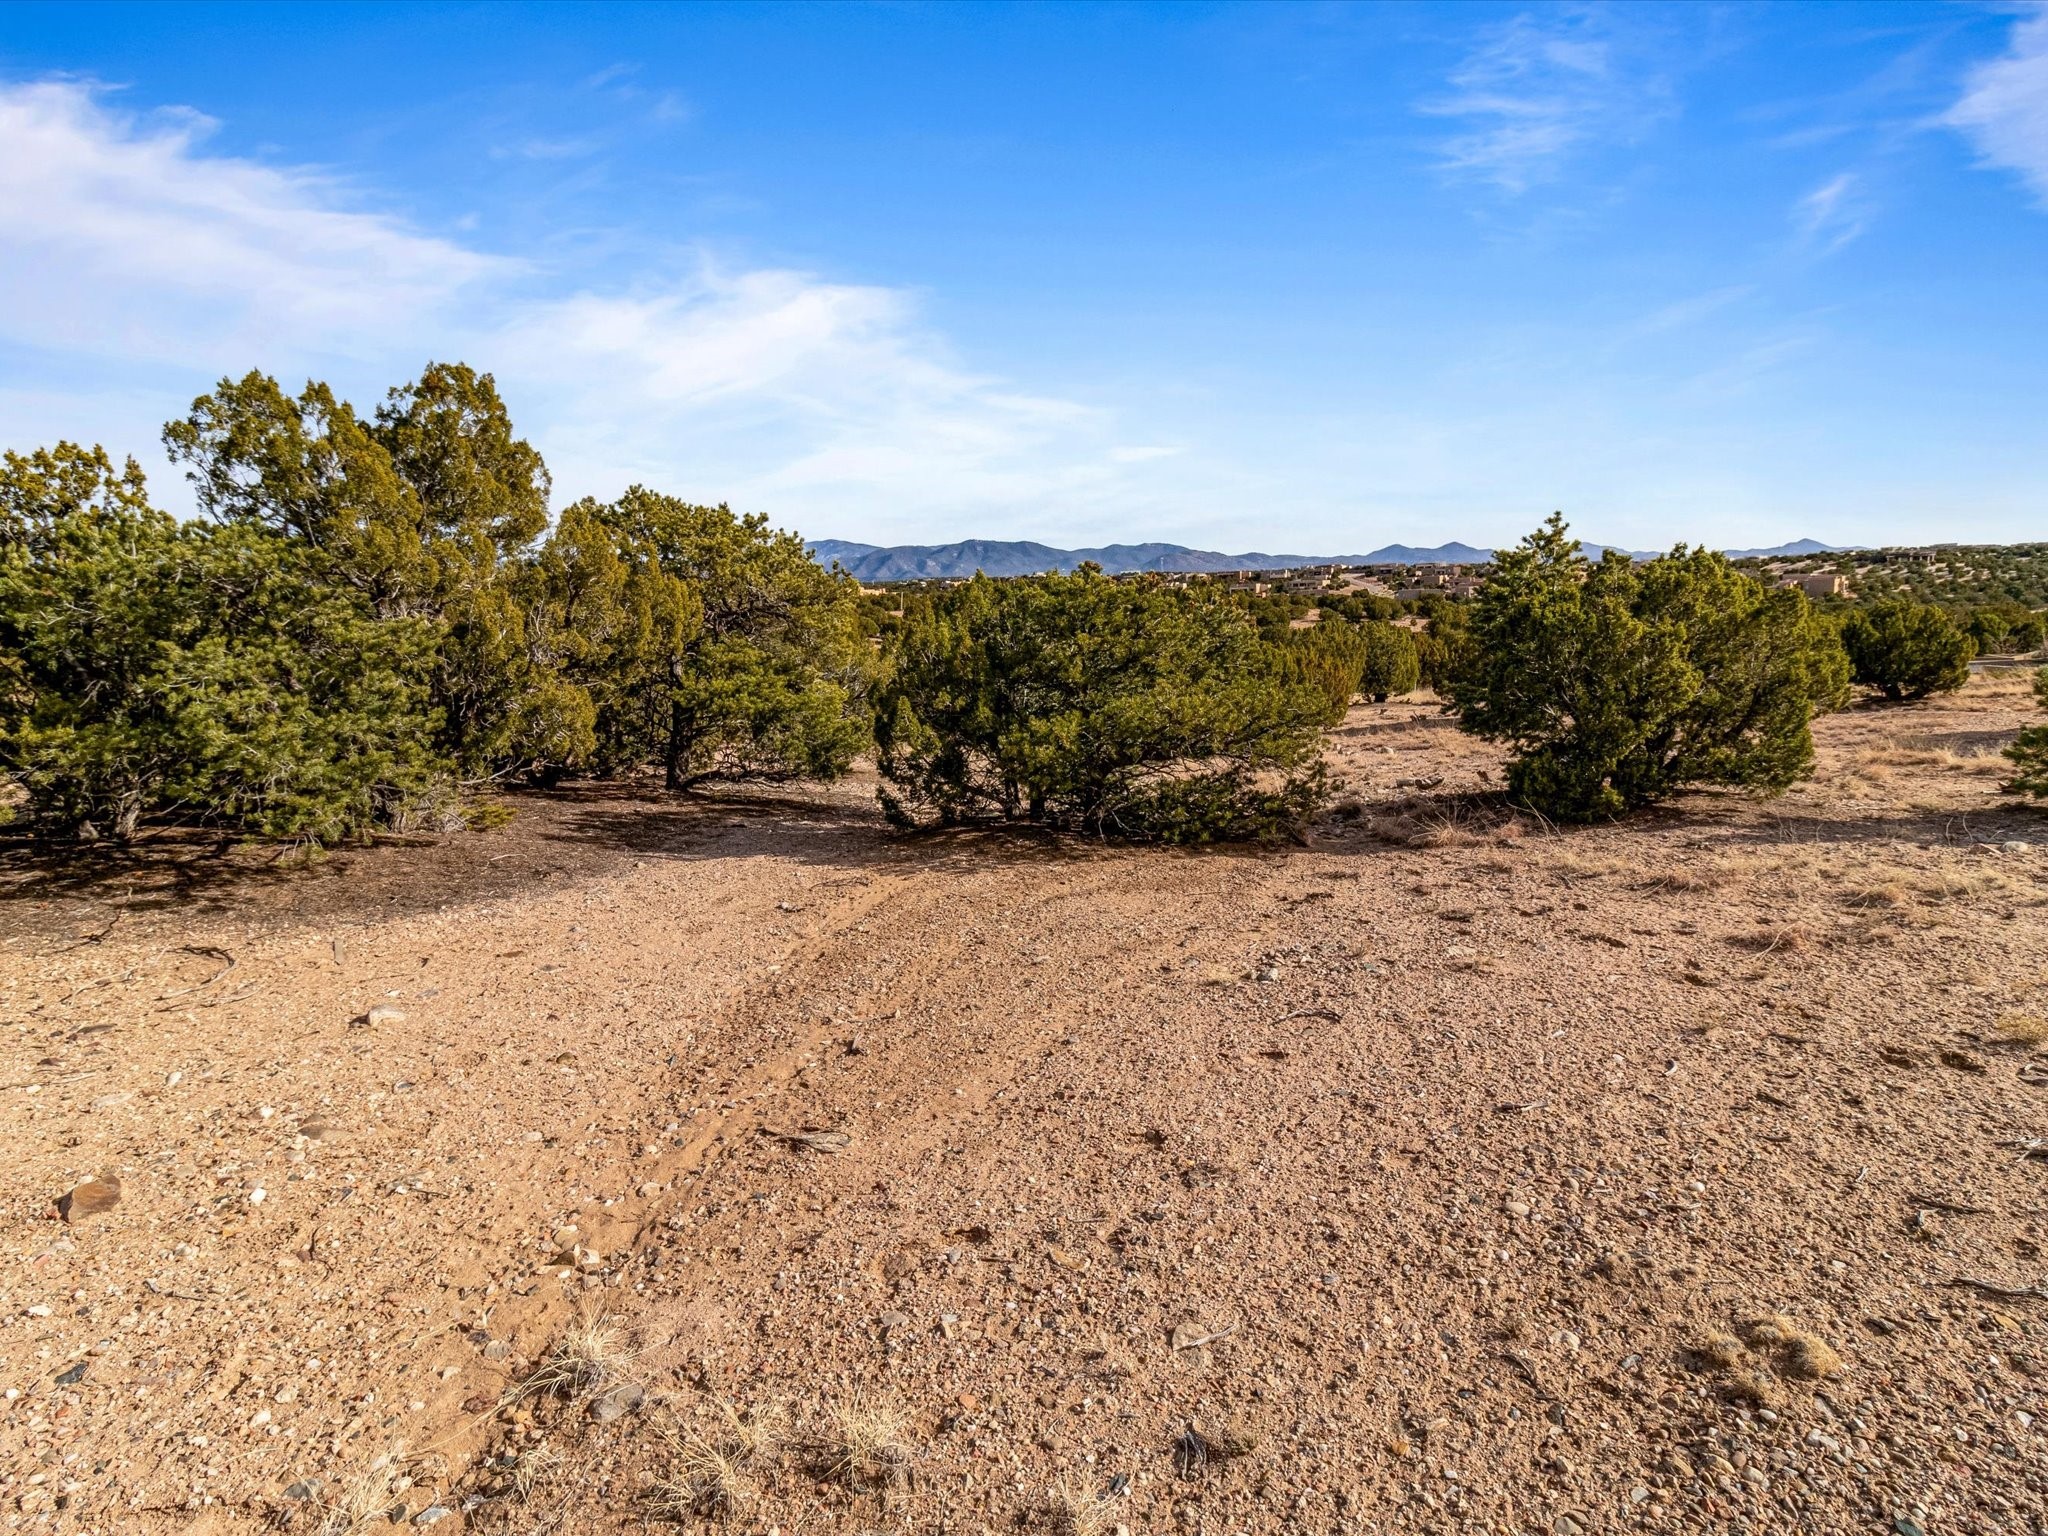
<point x="1312" y="278"/>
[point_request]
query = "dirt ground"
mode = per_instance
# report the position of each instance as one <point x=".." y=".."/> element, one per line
<point x="737" y="1161"/>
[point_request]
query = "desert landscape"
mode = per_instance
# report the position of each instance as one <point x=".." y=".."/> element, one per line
<point x="730" y="1160"/>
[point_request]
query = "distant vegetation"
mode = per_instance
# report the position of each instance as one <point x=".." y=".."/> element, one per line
<point x="376" y="615"/>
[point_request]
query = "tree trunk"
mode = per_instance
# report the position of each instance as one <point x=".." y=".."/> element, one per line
<point x="674" y="763"/>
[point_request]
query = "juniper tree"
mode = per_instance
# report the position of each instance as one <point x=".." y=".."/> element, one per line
<point x="1615" y="684"/>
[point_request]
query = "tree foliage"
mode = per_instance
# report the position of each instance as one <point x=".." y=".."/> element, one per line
<point x="1615" y="684"/>
<point x="373" y="612"/>
<point x="1907" y="650"/>
<point x="1108" y="708"/>
<point x="730" y="651"/>
<point x="155" y="665"/>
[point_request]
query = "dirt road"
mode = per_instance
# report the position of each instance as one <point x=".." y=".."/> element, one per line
<point x="1445" y="1173"/>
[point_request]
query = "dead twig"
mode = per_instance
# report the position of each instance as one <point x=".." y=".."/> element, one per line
<point x="2037" y="1292"/>
<point x="815" y="1140"/>
<point x="204" y="951"/>
<point x="1947" y="1206"/>
<point x="94" y="938"/>
<point x="1527" y="1367"/>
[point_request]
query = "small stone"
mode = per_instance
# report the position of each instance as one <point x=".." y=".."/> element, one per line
<point x="497" y="1349"/>
<point x="305" y="1488"/>
<point x="90" y="1197"/>
<point x="894" y="1322"/>
<point x="380" y="1014"/>
<point x="258" y="1195"/>
<point x="649" y="1189"/>
<point x="1518" y="1208"/>
<point x="566" y="1237"/>
<point x="618" y="1402"/>
<point x="431" y="1514"/>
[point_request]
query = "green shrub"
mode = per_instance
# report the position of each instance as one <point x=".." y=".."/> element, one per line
<point x="1907" y="650"/>
<point x="154" y="666"/>
<point x="2029" y="751"/>
<point x="1082" y="703"/>
<point x="1616" y="684"/>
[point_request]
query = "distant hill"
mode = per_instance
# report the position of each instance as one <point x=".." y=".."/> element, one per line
<point x="1022" y="557"/>
<point x="1782" y="551"/>
<point x="915" y="562"/>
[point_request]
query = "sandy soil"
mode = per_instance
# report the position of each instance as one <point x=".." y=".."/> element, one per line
<point x="1443" y="1174"/>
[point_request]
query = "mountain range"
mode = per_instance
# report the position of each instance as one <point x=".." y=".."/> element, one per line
<point x="1021" y="557"/>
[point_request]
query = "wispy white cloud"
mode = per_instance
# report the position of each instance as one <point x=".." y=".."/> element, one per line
<point x="1832" y="214"/>
<point x="2004" y="105"/>
<point x="107" y="217"/>
<point x="1535" y="91"/>
<point x="1690" y="311"/>
<point x="124" y="238"/>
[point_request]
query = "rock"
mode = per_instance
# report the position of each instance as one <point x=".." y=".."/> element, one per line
<point x="618" y="1402"/>
<point x="90" y="1197"/>
<point x="378" y="1014"/>
<point x="305" y="1488"/>
<point x="894" y="1322"/>
<point x="1518" y="1208"/>
<point x="651" y="1188"/>
<point x="431" y="1514"/>
<point x="566" y="1237"/>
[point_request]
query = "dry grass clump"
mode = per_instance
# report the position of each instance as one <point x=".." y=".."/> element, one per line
<point x="1883" y="895"/>
<point x="536" y="1466"/>
<point x="1722" y="1351"/>
<point x="716" y="1474"/>
<point x="2022" y="1028"/>
<point x="1798" y="1353"/>
<point x="1069" y="1509"/>
<point x="592" y="1355"/>
<point x="363" y="1501"/>
<point x="1776" y="938"/>
<point x="1684" y="879"/>
<point x="866" y="1444"/>
<point x="1748" y="1358"/>
<point x="1442" y="829"/>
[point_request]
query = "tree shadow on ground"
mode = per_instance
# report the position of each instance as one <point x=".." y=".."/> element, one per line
<point x="56" y="897"/>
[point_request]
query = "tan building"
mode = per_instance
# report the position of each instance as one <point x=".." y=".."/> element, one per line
<point x="1819" y="584"/>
